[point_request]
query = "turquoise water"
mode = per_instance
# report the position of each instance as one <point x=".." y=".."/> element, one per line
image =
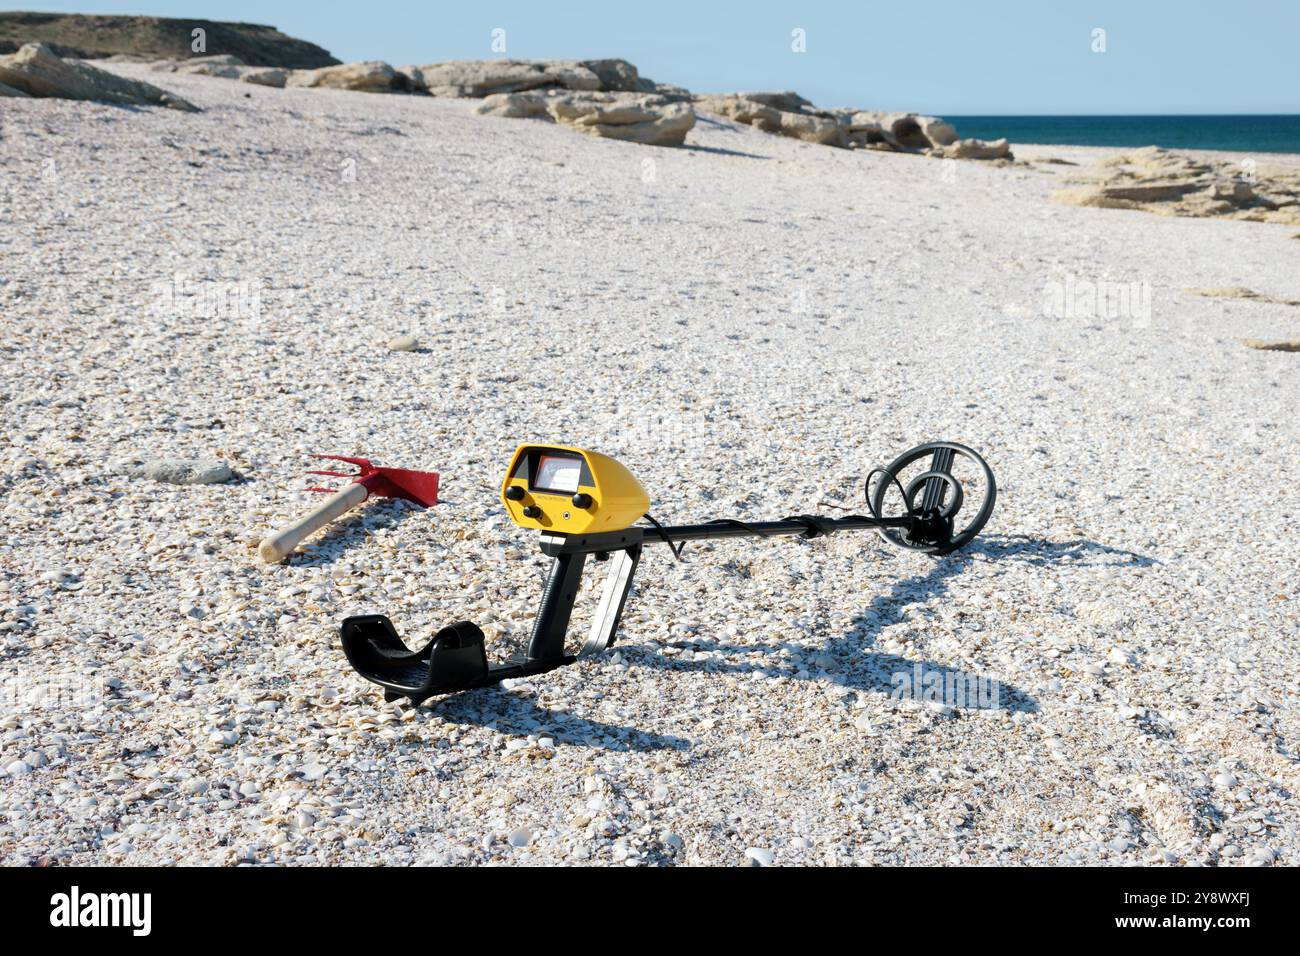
<point x="1250" y="134"/>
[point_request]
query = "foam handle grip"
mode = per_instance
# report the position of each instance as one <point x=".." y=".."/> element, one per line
<point x="275" y="546"/>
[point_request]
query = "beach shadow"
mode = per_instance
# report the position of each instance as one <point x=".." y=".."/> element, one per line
<point x="720" y="151"/>
<point x="512" y="713"/>
<point x="885" y="673"/>
<point x="719" y="122"/>
<point x="1039" y="551"/>
<point x="326" y="548"/>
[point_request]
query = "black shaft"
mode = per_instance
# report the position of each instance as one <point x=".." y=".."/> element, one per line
<point x="763" y="529"/>
<point x="552" y="621"/>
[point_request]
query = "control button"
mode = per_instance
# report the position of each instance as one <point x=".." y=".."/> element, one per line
<point x="581" y="500"/>
<point x="532" y="511"/>
<point x="515" y="492"/>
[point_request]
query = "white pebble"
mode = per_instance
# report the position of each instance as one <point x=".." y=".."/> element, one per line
<point x="761" y="856"/>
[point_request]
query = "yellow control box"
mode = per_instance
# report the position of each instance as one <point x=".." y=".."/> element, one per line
<point x="570" y="490"/>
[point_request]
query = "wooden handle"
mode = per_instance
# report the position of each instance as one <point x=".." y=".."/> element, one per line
<point x="275" y="546"/>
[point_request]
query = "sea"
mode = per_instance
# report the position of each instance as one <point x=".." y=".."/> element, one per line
<point x="1244" y="133"/>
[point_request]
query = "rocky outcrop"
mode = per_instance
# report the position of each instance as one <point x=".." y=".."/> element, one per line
<point x="896" y="131"/>
<point x="1174" y="184"/>
<point x="480" y="78"/>
<point x="369" y="76"/>
<point x="226" y="67"/>
<point x="36" y="71"/>
<point x="636" y="117"/>
<point x="483" y="78"/>
<point x="514" y="105"/>
<point x="610" y="98"/>
<point x="785" y="113"/>
<point x="975" y="149"/>
<point x="534" y="89"/>
<point x="618" y="76"/>
<point x="271" y="77"/>
<point x="10" y="91"/>
<point x="789" y="114"/>
<point x="156" y="38"/>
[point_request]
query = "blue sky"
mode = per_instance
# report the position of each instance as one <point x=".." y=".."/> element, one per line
<point x="939" y="56"/>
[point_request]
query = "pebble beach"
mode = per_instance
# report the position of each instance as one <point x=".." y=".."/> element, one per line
<point x="750" y="323"/>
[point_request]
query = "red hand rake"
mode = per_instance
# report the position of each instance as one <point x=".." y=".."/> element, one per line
<point x="420" y="487"/>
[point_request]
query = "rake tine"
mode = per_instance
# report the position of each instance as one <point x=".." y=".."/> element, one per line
<point x="359" y="462"/>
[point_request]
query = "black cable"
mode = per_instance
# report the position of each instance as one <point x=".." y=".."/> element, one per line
<point x="676" y="548"/>
<point x="737" y="523"/>
<point x="866" y="493"/>
<point x="817" y="527"/>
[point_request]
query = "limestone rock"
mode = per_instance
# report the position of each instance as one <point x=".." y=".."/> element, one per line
<point x="272" y="77"/>
<point x="36" y="71"/>
<point x="785" y="113"/>
<point x="900" y="131"/>
<point x="977" y="149"/>
<point x="910" y="130"/>
<point x="513" y="105"/>
<point x="1270" y="346"/>
<point x="668" y="91"/>
<point x="368" y="76"/>
<point x="937" y="131"/>
<point x="636" y="117"/>
<point x="223" y="65"/>
<point x="479" y="78"/>
<point x="615" y="76"/>
<point x="789" y="114"/>
<point x="1242" y="292"/>
<point x="1157" y="180"/>
<point x="226" y="67"/>
<point x="178" y="471"/>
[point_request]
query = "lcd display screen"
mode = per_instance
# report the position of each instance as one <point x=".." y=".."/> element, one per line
<point x="559" y="474"/>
